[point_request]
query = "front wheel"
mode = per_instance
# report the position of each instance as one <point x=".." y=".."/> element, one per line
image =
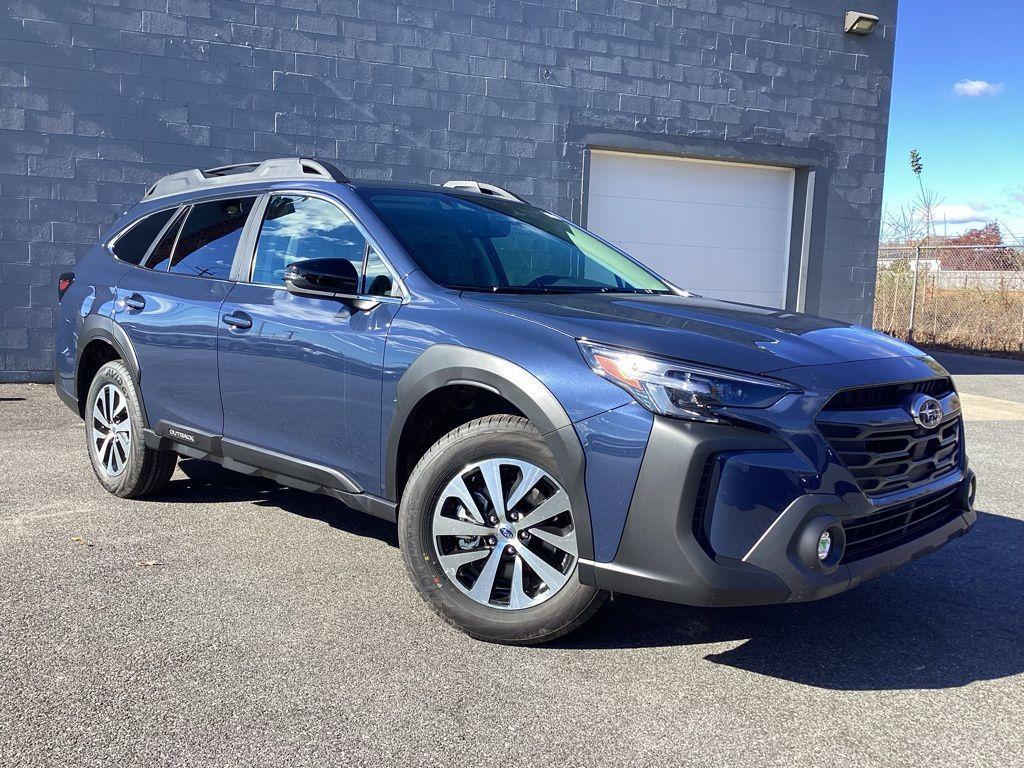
<point x="489" y="538"/>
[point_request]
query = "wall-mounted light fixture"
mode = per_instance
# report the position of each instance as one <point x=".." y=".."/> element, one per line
<point x="858" y="23"/>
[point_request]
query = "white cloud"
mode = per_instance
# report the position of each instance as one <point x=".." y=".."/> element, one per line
<point x="975" y="88"/>
<point x="961" y="214"/>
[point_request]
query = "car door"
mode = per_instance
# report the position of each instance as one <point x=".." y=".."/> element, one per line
<point x="301" y="376"/>
<point x="170" y="309"/>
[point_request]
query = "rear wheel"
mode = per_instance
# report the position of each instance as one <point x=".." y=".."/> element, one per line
<point x="113" y="427"/>
<point x="489" y="537"/>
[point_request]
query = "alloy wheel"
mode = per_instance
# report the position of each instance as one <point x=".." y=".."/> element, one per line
<point x="504" y="535"/>
<point x="111" y="430"/>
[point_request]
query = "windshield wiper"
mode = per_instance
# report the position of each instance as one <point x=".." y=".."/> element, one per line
<point x="549" y="289"/>
<point x="497" y="289"/>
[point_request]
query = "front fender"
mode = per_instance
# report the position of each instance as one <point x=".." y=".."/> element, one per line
<point x="445" y="364"/>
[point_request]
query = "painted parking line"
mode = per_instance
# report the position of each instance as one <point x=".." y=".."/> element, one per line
<point x="981" y="408"/>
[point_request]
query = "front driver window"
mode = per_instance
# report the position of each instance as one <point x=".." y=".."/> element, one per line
<point x="297" y="227"/>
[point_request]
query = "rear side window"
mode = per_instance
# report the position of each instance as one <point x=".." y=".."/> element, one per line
<point x="132" y="245"/>
<point x="209" y="236"/>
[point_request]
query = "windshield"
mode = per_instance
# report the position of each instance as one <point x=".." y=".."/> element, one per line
<point x="490" y="244"/>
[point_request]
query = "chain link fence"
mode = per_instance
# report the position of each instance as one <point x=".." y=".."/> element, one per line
<point x="965" y="297"/>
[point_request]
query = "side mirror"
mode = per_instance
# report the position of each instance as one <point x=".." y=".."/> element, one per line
<point x="326" y="278"/>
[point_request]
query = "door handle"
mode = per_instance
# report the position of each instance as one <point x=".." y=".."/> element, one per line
<point x="238" y="320"/>
<point x="135" y="301"/>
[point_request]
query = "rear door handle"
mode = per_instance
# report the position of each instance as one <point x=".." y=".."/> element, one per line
<point x="238" y="320"/>
<point x="135" y="301"/>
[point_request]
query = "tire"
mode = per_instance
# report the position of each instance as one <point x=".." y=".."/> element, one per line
<point x="123" y="464"/>
<point x="515" y="606"/>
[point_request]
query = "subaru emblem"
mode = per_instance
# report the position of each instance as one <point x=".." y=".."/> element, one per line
<point x="926" y="411"/>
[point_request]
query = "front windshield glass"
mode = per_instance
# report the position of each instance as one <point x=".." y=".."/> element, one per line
<point x="490" y="244"/>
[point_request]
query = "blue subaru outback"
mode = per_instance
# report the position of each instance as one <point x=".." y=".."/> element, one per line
<point x="545" y="419"/>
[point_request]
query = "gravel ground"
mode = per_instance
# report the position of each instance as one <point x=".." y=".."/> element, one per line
<point x="231" y="622"/>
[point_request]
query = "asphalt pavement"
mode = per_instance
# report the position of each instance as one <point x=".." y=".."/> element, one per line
<point x="232" y="622"/>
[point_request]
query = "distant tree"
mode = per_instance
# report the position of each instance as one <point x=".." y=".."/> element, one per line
<point x="990" y="234"/>
<point x="956" y="252"/>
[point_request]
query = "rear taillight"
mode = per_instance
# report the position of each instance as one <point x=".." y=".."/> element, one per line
<point x="63" y="283"/>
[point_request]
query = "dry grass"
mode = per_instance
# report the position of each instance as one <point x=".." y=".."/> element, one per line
<point x="968" y="297"/>
<point x="970" y="319"/>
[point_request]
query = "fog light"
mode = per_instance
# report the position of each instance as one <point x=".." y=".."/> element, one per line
<point x="820" y="543"/>
<point x="824" y="545"/>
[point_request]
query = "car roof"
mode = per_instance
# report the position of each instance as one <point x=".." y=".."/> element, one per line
<point x="294" y="170"/>
<point x="397" y="185"/>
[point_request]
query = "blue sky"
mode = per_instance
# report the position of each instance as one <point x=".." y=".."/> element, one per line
<point x="970" y="135"/>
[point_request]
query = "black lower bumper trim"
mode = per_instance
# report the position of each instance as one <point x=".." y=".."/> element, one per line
<point x="883" y="530"/>
<point x="660" y="558"/>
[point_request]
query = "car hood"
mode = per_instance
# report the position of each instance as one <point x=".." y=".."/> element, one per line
<point x="740" y="337"/>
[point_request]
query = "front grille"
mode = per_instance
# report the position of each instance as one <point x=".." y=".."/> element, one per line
<point x="880" y="531"/>
<point x="888" y="459"/>
<point x="887" y="395"/>
<point x="882" y="447"/>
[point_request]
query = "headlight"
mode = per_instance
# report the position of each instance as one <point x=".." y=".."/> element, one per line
<point x="681" y="390"/>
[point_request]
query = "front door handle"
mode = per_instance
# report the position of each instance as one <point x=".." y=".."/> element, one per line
<point x="238" y="320"/>
<point x="136" y="302"/>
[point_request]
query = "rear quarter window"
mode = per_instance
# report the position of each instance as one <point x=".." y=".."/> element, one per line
<point x="162" y="250"/>
<point x="132" y="244"/>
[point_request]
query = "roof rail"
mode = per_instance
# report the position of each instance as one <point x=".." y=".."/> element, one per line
<point x="483" y="188"/>
<point x="278" y="168"/>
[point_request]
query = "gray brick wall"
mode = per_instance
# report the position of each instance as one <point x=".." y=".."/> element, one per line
<point x="99" y="98"/>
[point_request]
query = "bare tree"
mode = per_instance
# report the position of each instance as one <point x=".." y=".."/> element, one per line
<point x="903" y="225"/>
<point x="927" y="201"/>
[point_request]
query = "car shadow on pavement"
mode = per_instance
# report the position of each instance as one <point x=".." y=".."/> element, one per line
<point x="947" y="620"/>
<point x="206" y="482"/>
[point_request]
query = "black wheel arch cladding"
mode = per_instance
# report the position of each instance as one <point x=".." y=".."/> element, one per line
<point x="106" y="330"/>
<point x="444" y="364"/>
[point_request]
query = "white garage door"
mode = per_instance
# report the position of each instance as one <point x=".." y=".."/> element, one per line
<point x="718" y="229"/>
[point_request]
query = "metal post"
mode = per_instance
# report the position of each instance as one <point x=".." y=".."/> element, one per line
<point x="1018" y="284"/>
<point x="1021" y="339"/>
<point x="913" y="292"/>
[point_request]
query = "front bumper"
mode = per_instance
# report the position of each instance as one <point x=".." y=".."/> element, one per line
<point x="666" y="554"/>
